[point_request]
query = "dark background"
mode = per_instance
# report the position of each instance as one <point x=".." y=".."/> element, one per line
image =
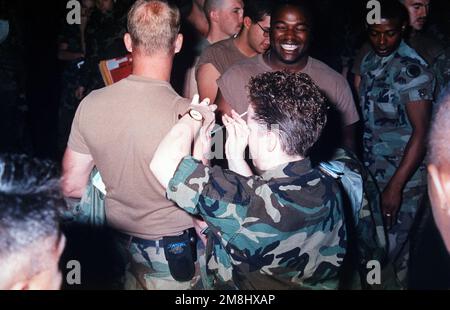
<point x="32" y="129"/>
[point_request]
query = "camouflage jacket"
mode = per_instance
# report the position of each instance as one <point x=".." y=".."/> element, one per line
<point x="366" y="237"/>
<point x="388" y="84"/>
<point x="282" y="230"/>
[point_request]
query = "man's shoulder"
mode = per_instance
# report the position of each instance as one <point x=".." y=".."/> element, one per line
<point x="219" y="45"/>
<point x="319" y="66"/>
<point x="320" y="71"/>
<point x="245" y="67"/>
<point x="408" y="65"/>
<point x="131" y="88"/>
<point x="106" y="92"/>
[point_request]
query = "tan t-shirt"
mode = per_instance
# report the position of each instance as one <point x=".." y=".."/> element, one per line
<point x="121" y="126"/>
<point x="233" y="85"/>
<point x="222" y="55"/>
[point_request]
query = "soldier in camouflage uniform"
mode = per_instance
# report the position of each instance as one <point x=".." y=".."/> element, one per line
<point x="283" y="229"/>
<point x="396" y="94"/>
<point x="364" y="221"/>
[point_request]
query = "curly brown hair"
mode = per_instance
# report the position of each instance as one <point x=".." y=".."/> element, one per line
<point x="293" y="103"/>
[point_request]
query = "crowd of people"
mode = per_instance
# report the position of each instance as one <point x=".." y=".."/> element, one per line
<point x="238" y="154"/>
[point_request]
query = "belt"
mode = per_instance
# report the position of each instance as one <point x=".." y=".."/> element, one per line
<point x="148" y="243"/>
<point x="144" y="242"/>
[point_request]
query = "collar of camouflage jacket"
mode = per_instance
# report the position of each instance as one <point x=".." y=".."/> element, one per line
<point x="288" y="170"/>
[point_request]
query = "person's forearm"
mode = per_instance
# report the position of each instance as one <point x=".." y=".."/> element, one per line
<point x="201" y="148"/>
<point x="173" y="148"/>
<point x="240" y="166"/>
<point x="414" y="154"/>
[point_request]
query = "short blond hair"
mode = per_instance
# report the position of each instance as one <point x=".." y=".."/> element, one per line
<point x="153" y="25"/>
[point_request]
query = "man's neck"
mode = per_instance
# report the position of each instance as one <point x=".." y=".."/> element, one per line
<point x="272" y="61"/>
<point x="283" y="159"/>
<point x="242" y="45"/>
<point x="157" y="66"/>
<point x="216" y="35"/>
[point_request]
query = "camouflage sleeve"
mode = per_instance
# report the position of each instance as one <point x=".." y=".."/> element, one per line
<point x="415" y="83"/>
<point x="220" y="196"/>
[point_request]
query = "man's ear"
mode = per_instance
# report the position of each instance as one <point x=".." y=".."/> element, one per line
<point x="178" y="43"/>
<point x="247" y="22"/>
<point x="272" y="140"/>
<point x="214" y="16"/>
<point x="439" y="187"/>
<point x="128" y="42"/>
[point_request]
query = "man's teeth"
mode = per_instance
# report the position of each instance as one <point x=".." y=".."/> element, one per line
<point x="289" y="47"/>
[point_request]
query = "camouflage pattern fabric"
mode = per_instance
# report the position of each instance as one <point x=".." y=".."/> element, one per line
<point x="146" y="268"/>
<point x="366" y="232"/>
<point x="388" y="84"/>
<point x="90" y="209"/>
<point x="442" y="69"/>
<point x="282" y="230"/>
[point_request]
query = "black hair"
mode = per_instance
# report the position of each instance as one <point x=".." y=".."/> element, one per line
<point x="302" y="5"/>
<point x="30" y="202"/>
<point x="393" y="9"/>
<point x="257" y="9"/>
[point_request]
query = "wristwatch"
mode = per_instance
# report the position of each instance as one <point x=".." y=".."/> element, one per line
<point x="195" y="115"/>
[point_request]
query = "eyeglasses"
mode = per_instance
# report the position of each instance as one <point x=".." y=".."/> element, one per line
<point x="265" y="30"/>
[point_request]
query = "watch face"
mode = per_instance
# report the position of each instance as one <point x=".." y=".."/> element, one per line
<point x="196" y="115"/>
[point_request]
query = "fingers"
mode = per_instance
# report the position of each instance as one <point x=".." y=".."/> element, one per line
<point x="205" y="102"/>
<point x="212" y="107"/>
<point x="195" y="99"/>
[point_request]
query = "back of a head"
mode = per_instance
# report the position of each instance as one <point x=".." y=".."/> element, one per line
<point x="153" y="26"/>
<point x="294" y="104"/>
<point x="257" y="9"/>
<point x="439" y="148"/>
<point x="212" y="5"/>
<point x="30" y="201"/>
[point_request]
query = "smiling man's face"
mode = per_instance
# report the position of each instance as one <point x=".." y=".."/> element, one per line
<point x="290" y="35"/>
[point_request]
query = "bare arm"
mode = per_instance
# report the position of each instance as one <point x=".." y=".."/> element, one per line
<point x="357" y="82"/>
<point x="173" y="148"/>
<point x="223" y="106"/>
<point x="419" y="114"/>
<point x="178" y="142"/>
<point x="207" y="76"/>
<point x="76" y="170"/>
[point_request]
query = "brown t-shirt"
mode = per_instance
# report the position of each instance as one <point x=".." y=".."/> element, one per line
<point x="222" y="55"/>
<point x="121" y="126"/>
<point x="233" y="85"/>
